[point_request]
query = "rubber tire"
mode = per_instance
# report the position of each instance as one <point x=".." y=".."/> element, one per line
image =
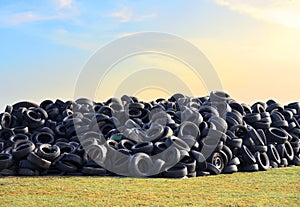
<point x="38" y="161"/>
<point x="213" y="169"/>
<point x="234" y="161"/>
<point x="250" y="168"/>
<point x="202" y="173"/>
<point x="6" y="160"/>
<point x="262" y="160"/>
<point x="190" y="164"/>
<point x="51" y="153"/>
<point x="28" y="164"/>
<point x="247" y="155"/>
<point x="218" y="160"/>
<point x="201" y="163"/>
<point x="22" y="149"/>
<point x="178" y="171"/>
<point x="66" y="167"/>
<point x="134" y="165"/>
<point x="28" y="172"/>
<point x="73" y="159"/>
<point x="276" y="135"/>
<point x="273" y="154"/>
<point x="145" y="147"/>
<point x="229" y="169"/>
<point x="94" y="171"/>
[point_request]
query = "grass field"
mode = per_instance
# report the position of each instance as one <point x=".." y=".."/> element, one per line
<point x="276" y="187"/>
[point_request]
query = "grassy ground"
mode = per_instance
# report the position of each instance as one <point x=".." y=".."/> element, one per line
<point x="277" y="187"/>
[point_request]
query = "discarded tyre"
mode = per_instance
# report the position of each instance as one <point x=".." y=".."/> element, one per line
<point x="172" y="138"/>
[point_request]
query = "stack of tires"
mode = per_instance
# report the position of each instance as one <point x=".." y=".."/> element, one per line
<point x="172" y="138"/>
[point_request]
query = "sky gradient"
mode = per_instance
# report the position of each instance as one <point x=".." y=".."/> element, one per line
<point x="253" y="45"/>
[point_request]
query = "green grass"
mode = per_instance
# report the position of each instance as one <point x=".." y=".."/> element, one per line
<point x="276" y="187"/>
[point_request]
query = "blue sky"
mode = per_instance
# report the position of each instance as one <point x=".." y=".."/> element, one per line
<point x="45" y="44"/>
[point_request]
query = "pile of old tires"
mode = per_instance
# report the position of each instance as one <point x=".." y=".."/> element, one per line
<point x="189" y="136"/>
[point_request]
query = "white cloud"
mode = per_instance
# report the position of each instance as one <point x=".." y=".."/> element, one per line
<point x="284" y="12"/>
<point x="63" y="9"/>
<point x="126" y="14"/>
<point x="75" y="40"/>
<point x="65" y="4"/>
<point x="123" y="15"/>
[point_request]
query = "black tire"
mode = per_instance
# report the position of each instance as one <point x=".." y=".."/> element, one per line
<point x="178" y="171"/>
<point x="66" y="148"/>
<point x="249" y="168"/>
<point x="42" y="113"/>
<point x="256" y="137"/>
<point x="213" y="169"/>
<point x="145" y="147"/>
<point x="234" y="142"/>
<point x="284" y="162"/>
<point x="6" y="160"/>
<point x="96" y="152"/>
<point x="220" y="123"/>
<point x="192" y="175"/>
<point x="296" y="160"/>
<point x="258" y="107"/>
<point x="190" y="164"/>
<point x="44" y="138"/>
<point x="5" y="120"/>
<point x="201" y="163"/>
<point x="228" y="152"/>
<point x="94" y="171"/>
<point x="48" y="151"/>
<point x="159" y="147"/>
<point x="38" y="161"/>
<point x="33" y="119"/>
<point x="274" y="106"/>
<point x="280" y="124"/>
<point x="262" y="135"/>
<point x="1" y="146"/>
<point x="219" y="146"/>
<point x="178" y="143"/>
<point x="273" y="154"/>
<point x="25" y="104"/>
<point x="202" y="173"/>
<point x="125" y="151"/>
<point x="218" y="96"/>
<point x="22" y="149"/>
<point x="251" y="118"/>
<point x="289" y="151"/>
<point x="273" y="164"/>
<point x="234" y="161"/>
<point x="247" y="155"/>
<point x="6" y="134"/>
<point x="8" y="172"/>
<point x="216" y="136"/>
<point x="258" y="148"/>
<point x="19" y="137"/>
<point x="262" y="160"/>
<point x="9" y="109"/>
<point x="229" y="169"/>
<point x="66" y="167"/>
<point x="219" y="160"/>
<point x="60" y="130"/>
<point x="276" y="135"/>
<point x="20" y="129"/>
<point x="140" y="165"/>
<point x="73" y="159"/>
<point x="235" y="115"/>
<point x="261" y="125"/>
<point x="27" y="172"/>
<point x="248" y="142"/>
<point x="27" y="164"/>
